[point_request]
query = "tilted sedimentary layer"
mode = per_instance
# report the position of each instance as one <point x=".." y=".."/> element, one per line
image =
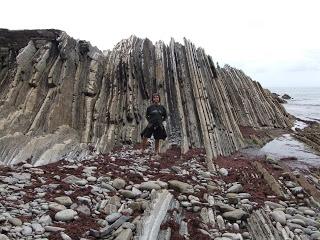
<point x="57" y="92"/>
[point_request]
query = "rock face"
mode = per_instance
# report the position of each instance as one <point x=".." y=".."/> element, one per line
<point x="58" y="96"/>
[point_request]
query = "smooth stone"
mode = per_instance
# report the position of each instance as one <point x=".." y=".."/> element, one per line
<point x="91" y="179"/>
<point x="26" y="231"/>
<point x="236" y="227"/>
<point x="309" y="221"/>
<point x="81" y="182"/>
<point x="125" y="234"/>
<point x="186" y="204"/>
<point x="235" y="215"/>
<point x="53" y="229"/>
<point x="115" y="200"/>
<point x="212" y="188"/>
<point x="224" y="207"/>
<point x="246" y="235"/>
<point x="309" y="212"/>
<point x="244" y="195"/>
<point x="113" y="217"/>
<point x="298" y="221"/>
<point x="233" y="236"/>
<point x="220" y="222"/>
<point x="110" y="208"/>
<point x="162" y="184"/>
<point x="196" y="208"/>
<point x="136" y="191"/>
<point x="64" y="200"/>
<point x="279" y="216"/>
<point x="135" y="206"/>
<point x="84" y="209"/>
<point x="290" y="184"/>
<point x="3" y="237"/>
<point x="296" y="190"/>
<point x="149" y="186"/>
<point x="273" y="205"/>
<point x="56" y="207"/>
<point x="298" y="231"/>
<point x="181" y="186"/>
<point x="127" y="193"/>
<point x="65" y="236"/>
<point x="15" y="221"/>
<point x="45" y="220"/>
<point x="315" y="236"/>
<point x="204" y="215"/>
<point x="71" y="179"/>
<point x="65" y="215"/>
<point x="108" y="187"/>
<point x="119" y="183"/>
<point x="223" y="172"/>
<point x="291" y="210"/>
<point x="236" y="188"/>
<point x="38" y="229"/>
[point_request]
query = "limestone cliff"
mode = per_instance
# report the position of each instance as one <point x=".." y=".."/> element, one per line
<point x="59" y="95"/>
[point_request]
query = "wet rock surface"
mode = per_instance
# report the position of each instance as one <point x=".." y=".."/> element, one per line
<point x="310" y="136"/>
<point x="129" y="187"/>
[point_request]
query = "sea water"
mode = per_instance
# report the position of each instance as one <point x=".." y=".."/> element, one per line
<point x="305" y="104"/>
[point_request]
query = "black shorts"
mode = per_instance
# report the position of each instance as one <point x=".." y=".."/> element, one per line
<point x="159" y="132"/>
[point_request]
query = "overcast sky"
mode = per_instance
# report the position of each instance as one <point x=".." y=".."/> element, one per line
<point x="276" y="42"/>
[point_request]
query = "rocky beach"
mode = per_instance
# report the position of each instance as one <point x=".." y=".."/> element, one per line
<point x="129" y="194"/>
<point x="71" y="163"/>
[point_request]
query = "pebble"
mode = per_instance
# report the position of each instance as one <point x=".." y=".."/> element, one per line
<point x="181" y="186"/>
<point x="15" y="221"/>
<point x="291" y="218"/>
<point x="53" y="229"/>
<point x="45" y="220"/>
<point x="56" y="207"/>
<point x="125" y="234"/>
<point x="220" y="222"/>
<point x="26" y="231"/>
<point x="65" y="215"/>
<point x="186" y="204"/>
<point x="127" y="193"/>
<point x="236" y="188"/>
<point x="3" y="237"/>
<point x="38" y="229"/>
<point x="223" y="172"/>
<point x="309" y="212"/>
<point x="113" y="217"/>
<point x="65" y="236"/>
<point x="234" y="215"/>
<point x="91" y="179"/>
<point x="279" y="216"/>
<point x="119" y="183"/>
<point x="64" y="200"/>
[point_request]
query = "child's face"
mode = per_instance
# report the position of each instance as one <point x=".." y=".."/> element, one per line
<point x="156" y="99"/>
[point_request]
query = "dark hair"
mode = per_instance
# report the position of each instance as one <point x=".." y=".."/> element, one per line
<point x="155" y="94"/>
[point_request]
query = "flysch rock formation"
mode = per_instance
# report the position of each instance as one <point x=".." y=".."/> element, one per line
<point x="61" y="97"/>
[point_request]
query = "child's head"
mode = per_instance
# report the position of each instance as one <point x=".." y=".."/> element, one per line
<point x="155" y="98"/>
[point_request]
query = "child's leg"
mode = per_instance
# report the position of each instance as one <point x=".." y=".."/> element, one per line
<point x="157" y="145"/>
<point x="144" y="143"/>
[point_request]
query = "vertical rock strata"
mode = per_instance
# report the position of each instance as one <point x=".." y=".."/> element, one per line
<point x="59" y="95"/>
